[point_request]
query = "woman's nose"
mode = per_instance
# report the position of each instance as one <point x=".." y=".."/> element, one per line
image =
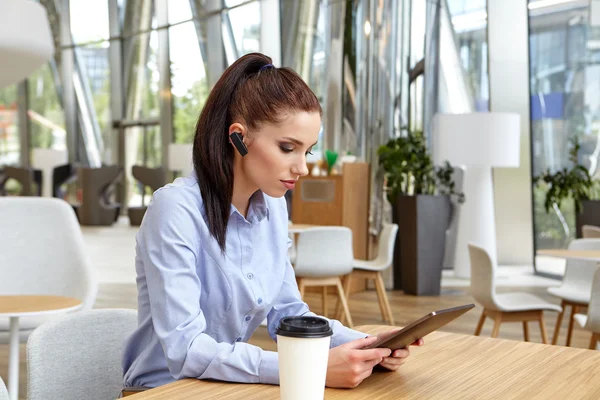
<point x="301" y="168"/>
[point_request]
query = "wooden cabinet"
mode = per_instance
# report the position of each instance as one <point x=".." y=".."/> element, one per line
<point x="339" y="200"/>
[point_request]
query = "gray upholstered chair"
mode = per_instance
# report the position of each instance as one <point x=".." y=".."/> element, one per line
<point x="79" y="356"/>
<point x="96" y="186"/>
<point x="154" y="178"/>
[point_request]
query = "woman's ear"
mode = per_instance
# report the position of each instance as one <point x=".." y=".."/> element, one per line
<point x="237" y="131"/>
<point x="237" y="127"/>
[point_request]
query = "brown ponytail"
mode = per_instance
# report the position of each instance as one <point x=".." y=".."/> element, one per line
<point x="248" y="95"/>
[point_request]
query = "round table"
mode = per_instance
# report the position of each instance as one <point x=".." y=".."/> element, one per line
<point x="18" y="306"/>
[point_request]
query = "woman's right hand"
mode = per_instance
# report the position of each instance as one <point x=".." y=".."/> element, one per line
<point x="350" y="363"/>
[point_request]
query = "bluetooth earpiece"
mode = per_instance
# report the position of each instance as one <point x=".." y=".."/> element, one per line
<point x="236" y="139"/>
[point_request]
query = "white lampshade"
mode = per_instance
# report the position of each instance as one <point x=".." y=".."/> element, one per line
<point x="25" y="40"/>
<point x="490" y="139"/>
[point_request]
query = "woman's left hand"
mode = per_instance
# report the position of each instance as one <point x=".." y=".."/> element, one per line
<point x="398" y="357"/>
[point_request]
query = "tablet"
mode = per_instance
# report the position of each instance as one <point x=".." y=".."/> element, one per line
<point x="398" y="339"/>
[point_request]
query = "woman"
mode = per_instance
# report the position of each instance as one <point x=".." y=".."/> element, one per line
<point x="211" y="254"/>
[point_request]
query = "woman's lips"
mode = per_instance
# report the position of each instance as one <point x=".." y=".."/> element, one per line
<point x="289" y="184"/>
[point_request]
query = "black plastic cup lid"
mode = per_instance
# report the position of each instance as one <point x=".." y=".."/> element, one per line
<point x="304" y="327"/>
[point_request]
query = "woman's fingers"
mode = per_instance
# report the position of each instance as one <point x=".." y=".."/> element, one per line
<point x="393" y="361"/>
<point x="402" y="353"/>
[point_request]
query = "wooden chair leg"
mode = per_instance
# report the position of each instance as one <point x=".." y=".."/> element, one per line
<point x="383" y="299"/>
<point x="380" y="295"/>
<point x="593" y="341"/>
<point x="574" y="310"/>
<point x="558" y="323"/>
<point x="543" y="328"/>
<point x="525" y="331"/>
<point x="342" y="297"/>
<point x="480" y="323"/>
<point x="325" y="308"/>
<point x="339" y="312"/>
<point x="497" y="322"/>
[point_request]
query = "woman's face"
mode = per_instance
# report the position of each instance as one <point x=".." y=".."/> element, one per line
<point x="277" y="153"/>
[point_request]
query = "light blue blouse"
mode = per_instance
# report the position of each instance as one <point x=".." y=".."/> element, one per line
<point x="197" y="307"/>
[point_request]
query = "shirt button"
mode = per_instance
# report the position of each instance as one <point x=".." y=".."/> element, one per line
<point x="238" y="339"/>
<point x="250" y="275"/>
<point x="248" y="318"/>
<point x="259" y="301"/>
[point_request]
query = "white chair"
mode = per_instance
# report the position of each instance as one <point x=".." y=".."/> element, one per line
<point x="576" y="286"/>
<point x="3" y="390"/>
<point x="591" y="321"/>
<point x="590" y="232"/>
<point x="509" y="307"/>
<point x="324" y="254"/>
<point x="46" y="160"/>
<point x="79" y="356"/>
<point x="372" y="269"/>
<point x="180" y="158"/>
<point x="42" y="252"/>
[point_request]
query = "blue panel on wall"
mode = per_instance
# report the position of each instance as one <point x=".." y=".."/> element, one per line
<point x="547" y="106"/>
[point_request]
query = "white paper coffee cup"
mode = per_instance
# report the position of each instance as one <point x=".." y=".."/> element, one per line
<point x="303" y="347"/>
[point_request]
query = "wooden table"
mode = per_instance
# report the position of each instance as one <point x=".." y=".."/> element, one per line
<point x="589" y="255"/>
<point x="18" y="306"/>
<point x="449" y="366"/>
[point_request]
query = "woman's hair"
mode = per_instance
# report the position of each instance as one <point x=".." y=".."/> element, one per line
<point x="252" y="95"/>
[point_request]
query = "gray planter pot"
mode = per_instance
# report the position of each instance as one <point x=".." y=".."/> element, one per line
<point x="589" y="215"/>
<point x="419" y="253"/>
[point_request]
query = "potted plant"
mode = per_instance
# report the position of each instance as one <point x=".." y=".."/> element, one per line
<point x="572" y="183"/>
<point x="419" y="193"/>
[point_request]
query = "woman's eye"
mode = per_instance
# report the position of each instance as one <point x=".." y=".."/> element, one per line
<point x="286" y="149"/>
<point x="308" y="152"/>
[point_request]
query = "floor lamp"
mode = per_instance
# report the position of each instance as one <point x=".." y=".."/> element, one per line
<point x="480" y="142"/>
<point x="25" y="39"/>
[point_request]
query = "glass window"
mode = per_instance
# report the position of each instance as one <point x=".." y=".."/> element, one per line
<point x="189" y="86"/>
<point x="142" y="147"/>
<point x="179" y="11"/>
<point x="245" y="26"/>
<point x="89" y="20"/>
<point x="9" y="127"/>
<point x="469" y="20"/>
<point x="318" y="76"/>
<point x="141" y="64"/>
<point x="95" y="68"/>
<point x="234" y="3"/>
<point x="564" y="105"/>
<point x="46" y="116"/>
